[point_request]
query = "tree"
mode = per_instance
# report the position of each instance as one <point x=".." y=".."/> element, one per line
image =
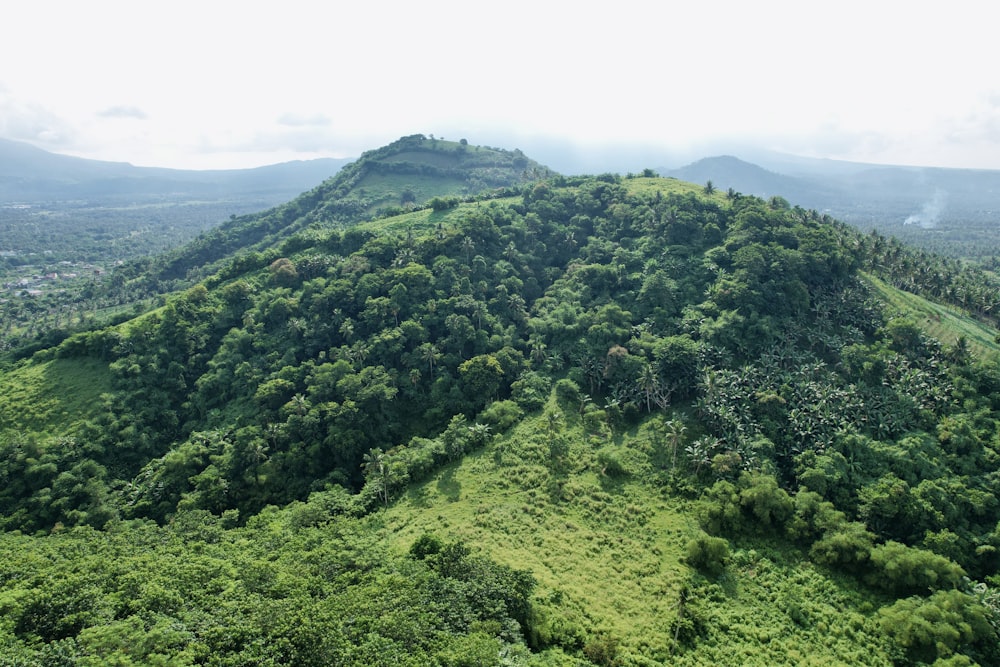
<point x="468" y="247"/>
<point x="553" y="421"/>
<point x="283" y="272"/>
<point x="675" y="435"/>
<point x="429" y="353"/>
<point x="374" y="465"/>
<point x="481" y="375"/>
<point x="648" y="385"/>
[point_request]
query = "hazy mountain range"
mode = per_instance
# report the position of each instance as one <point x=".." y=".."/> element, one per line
<point x="30" y="174"/>
<point x="858" y="193"/>
<point x="864" y="194"/>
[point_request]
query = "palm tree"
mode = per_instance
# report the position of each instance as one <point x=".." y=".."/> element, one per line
<point x="468" y="245"/>
<point x="374" y="465"/>
<point x="648" y="384"/>
<point x="258" y="454"/>
<point x="553" y="420"/>
<point x="538" y="354"/>
<point x="480" y="433"/>
<point x="429" y="353"/>
<point x="675" y="433"/>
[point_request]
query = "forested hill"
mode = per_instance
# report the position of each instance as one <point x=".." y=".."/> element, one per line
<point x="403" y="175"/>
<point x="697" y="391"/>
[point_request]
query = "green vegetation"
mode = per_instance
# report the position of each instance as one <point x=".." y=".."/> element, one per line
<point x="589" y="421"/>
<point x="944" y="323"/>
<point x="51" y="397"/>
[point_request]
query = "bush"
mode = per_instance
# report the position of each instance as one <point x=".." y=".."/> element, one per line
<point x="938" y="626"/>
<point x="709" y="555"/>
<point x="907" y="570"/>
<point x="531" y="391"/>
<point x="609" y="459"/>
<point x="426" y="545"/>
<point x="602" y="650"/>
<point x="848" y="546"/>
<point x="567" y="390"/>
<point x="501" y="415"/>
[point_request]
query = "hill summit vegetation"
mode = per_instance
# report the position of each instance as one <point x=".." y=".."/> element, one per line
<point x="581" y="421"/>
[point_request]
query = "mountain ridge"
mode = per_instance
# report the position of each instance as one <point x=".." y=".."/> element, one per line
<point x="29" y="174"/>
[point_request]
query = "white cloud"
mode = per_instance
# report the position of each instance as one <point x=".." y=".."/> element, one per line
<point x="131" y="112"/>
<point x="226" y="80"/>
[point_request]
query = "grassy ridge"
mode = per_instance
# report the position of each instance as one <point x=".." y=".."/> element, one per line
<point x="944" y="323"/>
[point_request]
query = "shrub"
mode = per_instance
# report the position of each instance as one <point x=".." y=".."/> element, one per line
<point x="609" y="459"/>
<point x="938" y="626"/>
<point x="708" y="554"/>
<point x="567" y="390"/>
<point x="907" y="570"/>
<point x="531" y="390"/>
<point x="501" y="415"/>
<point x="848" y="546"/>
<point x="602" y="650"/>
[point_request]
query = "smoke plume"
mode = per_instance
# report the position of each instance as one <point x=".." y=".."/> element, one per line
<point x="930" y="212"/>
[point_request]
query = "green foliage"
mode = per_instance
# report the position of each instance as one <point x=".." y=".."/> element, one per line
<point x="502" y="415"/>
<point x="941" y="626"/>
<point x="708" y="554"/>
<point x="716" y="358"/>
<point x="906" y="570"/>
<point x="847" y="546"/>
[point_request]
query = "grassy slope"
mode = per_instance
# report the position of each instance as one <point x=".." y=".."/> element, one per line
<point x="608" y="557"/>
<point x="944" y="323"/>
<point x="51" y="397"/>
<point x="668" y="186"/>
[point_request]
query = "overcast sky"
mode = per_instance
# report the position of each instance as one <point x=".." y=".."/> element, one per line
<point x="220" y="84"/>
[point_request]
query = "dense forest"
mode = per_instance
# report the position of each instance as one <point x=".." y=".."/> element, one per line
<point x="69" y="266"/>
<point x="371" y="442"/>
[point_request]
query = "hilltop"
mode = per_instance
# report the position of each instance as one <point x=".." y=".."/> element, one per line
<point x="73" y="242"/>
<point x="568" y="421"/>
<point x="405" y="174"/>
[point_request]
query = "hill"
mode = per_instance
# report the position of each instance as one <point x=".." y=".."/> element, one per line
<point x="405" y="174"/>
<point x="65" y="252"/>
<point x="609" y="421"/>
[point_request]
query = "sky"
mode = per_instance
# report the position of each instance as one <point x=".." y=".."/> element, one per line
<point x="223" y="84"/>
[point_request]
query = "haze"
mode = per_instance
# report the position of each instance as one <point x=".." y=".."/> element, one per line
<point x="240" y="84"/>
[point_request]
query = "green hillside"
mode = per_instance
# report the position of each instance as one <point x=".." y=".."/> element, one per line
<point x="945" y="324"/>
<point x="580" y="421"/>
<point x="52" y="397"/>
<point x="405" y="174"/>
<point x="608" y="549"/>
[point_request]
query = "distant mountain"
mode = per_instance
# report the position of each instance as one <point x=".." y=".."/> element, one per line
<point x="731" y="172"/>
<point x="30" y="174"/>
<point x="954" y="211"/>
